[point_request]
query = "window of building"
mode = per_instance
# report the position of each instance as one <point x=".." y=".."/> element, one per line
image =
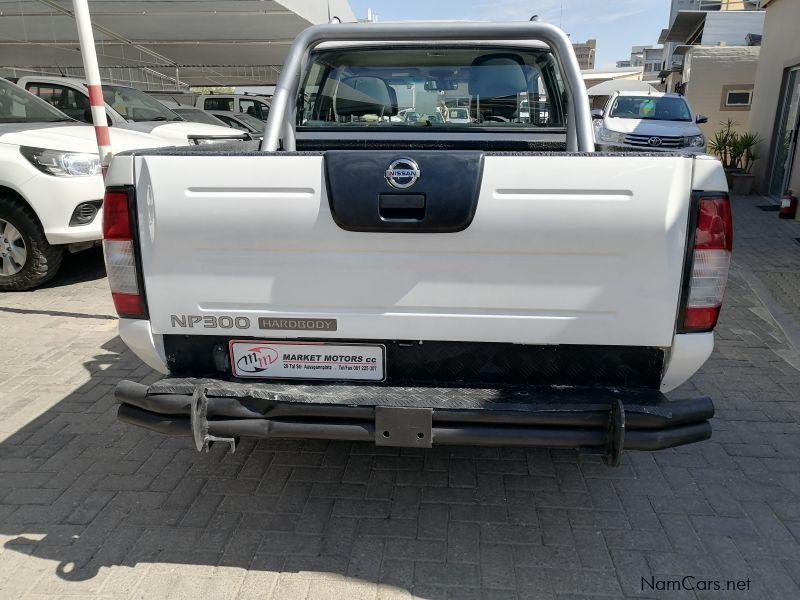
<point x="738" y="97"/>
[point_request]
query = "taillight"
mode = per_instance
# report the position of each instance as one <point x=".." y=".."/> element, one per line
<point x="711" y="259"/>
<point x="120" y="254"/>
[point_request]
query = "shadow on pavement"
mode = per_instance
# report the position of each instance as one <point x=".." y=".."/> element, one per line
<point x="80" y="489"/>
<point x="78" y="267"/>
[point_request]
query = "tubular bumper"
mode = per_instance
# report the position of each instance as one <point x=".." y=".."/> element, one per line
<point x="610" y="420"/>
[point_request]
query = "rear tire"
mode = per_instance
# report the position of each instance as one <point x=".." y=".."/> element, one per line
<point x="26" y="259"/>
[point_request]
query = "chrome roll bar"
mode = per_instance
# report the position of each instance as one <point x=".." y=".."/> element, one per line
<point x="282" y="112"/>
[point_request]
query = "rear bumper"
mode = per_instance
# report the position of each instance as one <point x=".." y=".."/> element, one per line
<point x="604" y="419"/>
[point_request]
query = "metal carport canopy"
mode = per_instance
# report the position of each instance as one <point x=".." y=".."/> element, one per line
<point x="227" y="42"/>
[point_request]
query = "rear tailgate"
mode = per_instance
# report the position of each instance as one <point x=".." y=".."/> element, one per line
<point x="561" y="249"/>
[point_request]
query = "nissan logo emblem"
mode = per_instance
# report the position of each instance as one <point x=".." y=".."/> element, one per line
<point x="402" y="173"/>
<point x="654" y="141"/>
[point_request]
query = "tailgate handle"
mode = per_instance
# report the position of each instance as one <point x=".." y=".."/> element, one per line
<point x="402" y="207"/>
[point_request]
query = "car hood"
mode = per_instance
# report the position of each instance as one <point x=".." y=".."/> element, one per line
<point x="655" y="128"/>
<point x="74" y="137"/>
<point x="176" y="133"/>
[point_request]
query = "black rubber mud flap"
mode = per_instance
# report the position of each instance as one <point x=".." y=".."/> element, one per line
<point x="405" y="427"/>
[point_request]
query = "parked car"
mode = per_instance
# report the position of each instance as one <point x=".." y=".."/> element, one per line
<point x="51" y="188"/>
<point x="540" y="112"/>
<point x="127" y="108"/>
<point x="458" y="115"/>
<point x="252" y="125"/>
<point x="412" y="116"/>
<point x="417" y="286"/>
<point x="253" y="105"/>
<point x="648" y="121"/>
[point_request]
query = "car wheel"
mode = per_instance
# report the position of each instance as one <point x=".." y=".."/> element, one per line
<point x="26" y="259"/>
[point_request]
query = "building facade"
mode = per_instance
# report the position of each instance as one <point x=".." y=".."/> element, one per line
<point x="708" y="59"/>
<point x="719" y="84"/>
<point x="585" y="52"/>
<point x="652" y="62"/>
<point x="776" y="100"/>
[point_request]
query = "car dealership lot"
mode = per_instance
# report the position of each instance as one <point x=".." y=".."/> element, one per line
<point x="94" y="508"/>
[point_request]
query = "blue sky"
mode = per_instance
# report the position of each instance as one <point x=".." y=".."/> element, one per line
<point x="616" y="24"/>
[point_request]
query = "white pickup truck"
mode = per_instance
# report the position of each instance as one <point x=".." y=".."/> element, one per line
<point x="51" y="188"/>
<point x="415" y="284"/>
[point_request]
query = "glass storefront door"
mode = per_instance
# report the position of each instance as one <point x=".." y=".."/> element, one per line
<point x="786" y="141"/>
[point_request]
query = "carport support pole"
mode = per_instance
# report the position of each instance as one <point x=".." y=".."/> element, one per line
<point x="83" y="19"/>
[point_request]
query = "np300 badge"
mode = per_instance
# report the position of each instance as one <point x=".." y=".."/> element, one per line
<point x="402" y="173"/>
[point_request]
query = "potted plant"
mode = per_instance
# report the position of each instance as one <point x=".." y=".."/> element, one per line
<point x="743" y="147"/>
<point x="736" y="151"/>
<point x="721" y="144"/>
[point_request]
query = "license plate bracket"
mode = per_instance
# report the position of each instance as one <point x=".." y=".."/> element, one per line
<point x="404" y="427"/>
<point x="335" y="361"/>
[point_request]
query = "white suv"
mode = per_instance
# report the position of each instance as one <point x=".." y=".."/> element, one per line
<point x="51" y="188"/>
<point x="649" y="122"/>
<point x="255" y="106"/>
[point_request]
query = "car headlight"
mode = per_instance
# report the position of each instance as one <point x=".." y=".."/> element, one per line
<point x="607" y="135"/>
<point x="696" y="141"/>
<point x="62" y="164"/>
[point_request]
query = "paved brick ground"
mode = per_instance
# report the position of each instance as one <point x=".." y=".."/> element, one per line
<point x="91" y="508"/>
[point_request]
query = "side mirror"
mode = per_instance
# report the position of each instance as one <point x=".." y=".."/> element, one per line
<point x="701" y="119"/>
<point x="597" y="113"/>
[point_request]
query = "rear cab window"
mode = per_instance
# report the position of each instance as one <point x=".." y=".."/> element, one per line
<point x="254" y="108"/>
<point x="458" y="88"/>
<point x="225" y="104"/>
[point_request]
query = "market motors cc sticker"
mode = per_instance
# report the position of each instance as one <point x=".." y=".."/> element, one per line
<point x="257" y="359"/>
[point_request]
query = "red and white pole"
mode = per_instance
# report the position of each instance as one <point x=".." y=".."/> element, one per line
<point x="86" y="37"/>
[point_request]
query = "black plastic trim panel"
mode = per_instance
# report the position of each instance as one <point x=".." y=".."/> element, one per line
<point x="447" y="190"/>
<point x="447" y="363"/>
